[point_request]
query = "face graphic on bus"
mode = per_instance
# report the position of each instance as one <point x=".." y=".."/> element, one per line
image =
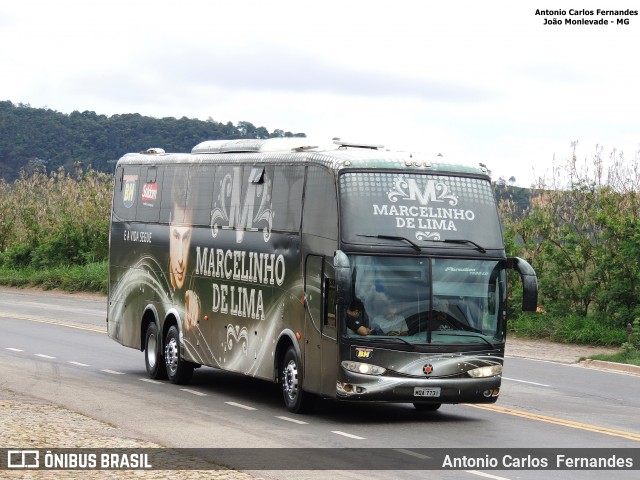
<point x="179" y="243"/>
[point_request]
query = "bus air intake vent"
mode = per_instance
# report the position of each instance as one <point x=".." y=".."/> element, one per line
<point x="345" y="144"/>
<point x="229" y="146"/>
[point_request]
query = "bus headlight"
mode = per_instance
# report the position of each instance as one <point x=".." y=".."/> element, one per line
<point x="483" y="372"/>
<point x="364" y="368"/>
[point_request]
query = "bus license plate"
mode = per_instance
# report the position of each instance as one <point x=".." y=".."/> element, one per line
<point x="426" y="392"/>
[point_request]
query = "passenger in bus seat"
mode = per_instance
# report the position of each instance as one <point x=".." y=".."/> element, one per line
<point x="392" y="323"/>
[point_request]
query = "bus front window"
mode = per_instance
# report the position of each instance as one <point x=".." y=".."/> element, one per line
<point x="423" y="300"/>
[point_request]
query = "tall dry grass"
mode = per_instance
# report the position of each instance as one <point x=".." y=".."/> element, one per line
<point x="56" y="221"/>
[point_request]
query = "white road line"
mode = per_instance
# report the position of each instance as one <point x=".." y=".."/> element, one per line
<point x="79" y="364"/>
<point x="200" y="394"/>
<point x="338" y="432"/>
<point x="486" y="475"/>
<point x="14" y="349"/>
<point x="239" y="405"/>
<point x="524" y="381"/>
<point x="42" y="355"/>
<point x="410" y="453"/>
<point x="150" y="380"/>
<point x="293" y="420"/>
<point x="113" y="372"/>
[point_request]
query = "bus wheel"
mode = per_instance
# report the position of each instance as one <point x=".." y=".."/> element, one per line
<point x="153" y="358"/>
<point x="179" y="371"/>
<point x="427" y="407"/>
<point x="295" y="399"/>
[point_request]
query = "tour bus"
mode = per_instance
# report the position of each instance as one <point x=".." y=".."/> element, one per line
<point x="344" y="271"/>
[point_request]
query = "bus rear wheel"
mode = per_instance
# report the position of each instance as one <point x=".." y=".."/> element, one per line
<point x="427" y="407"/>
<point x="153" y="357"/>
<point x="179" y="371"/>
<point x="295" y="399"/>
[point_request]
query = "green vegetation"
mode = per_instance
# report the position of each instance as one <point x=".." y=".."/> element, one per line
<point x="632" y="358"/>
<point x="630" y="352"/>
<point x="91" y="277"/>
<point x="54" y="230"/>
<point x="567" y="328"/>
<point x="582" y="235"/>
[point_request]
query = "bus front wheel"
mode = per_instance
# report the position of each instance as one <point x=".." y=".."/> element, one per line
<point x="153" y="357"/>
<point x="296" y="400"/>
<point x="179" y="371"/>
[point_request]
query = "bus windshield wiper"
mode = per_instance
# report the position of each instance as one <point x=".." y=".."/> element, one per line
<point x="480" y="248"/>
<point x="415" y="246"/>
<point x="384" y="338"/>
<point x="465" y="335"/>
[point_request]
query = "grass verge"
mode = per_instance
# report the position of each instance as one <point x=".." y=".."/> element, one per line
<point x="631" y="357"/>
<point x="86" y="278"/>
<point x="567" y="329"/>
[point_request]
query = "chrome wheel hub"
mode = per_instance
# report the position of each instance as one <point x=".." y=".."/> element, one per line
<point x="290" y="380"/>
<point x="171" y="355"/>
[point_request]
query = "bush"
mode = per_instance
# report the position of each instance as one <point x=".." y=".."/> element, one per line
<point x="571" y="328"/>
<point x="92" y="277"/>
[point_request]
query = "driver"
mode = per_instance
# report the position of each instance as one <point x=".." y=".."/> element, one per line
<point x="358" y="320"/>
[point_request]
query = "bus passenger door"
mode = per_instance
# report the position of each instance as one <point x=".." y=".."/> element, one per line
<point x="312" y="323"/>
<point x="320" y="344"/>
<point x="329" y="332"/>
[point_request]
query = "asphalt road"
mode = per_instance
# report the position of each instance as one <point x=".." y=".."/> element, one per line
<point x="55" y="347"/>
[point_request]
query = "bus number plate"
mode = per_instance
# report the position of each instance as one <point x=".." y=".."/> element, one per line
<point x="426" y="392"/>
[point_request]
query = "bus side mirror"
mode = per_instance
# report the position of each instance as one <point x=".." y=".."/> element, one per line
<point x="529" y="283"/>
<point x="343" y="278"/>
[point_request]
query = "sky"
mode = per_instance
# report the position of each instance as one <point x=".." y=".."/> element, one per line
<point x="477" y="82"/>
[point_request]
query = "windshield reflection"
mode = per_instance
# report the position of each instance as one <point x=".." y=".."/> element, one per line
<point x="422" y="300"/>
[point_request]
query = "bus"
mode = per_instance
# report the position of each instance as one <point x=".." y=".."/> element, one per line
<point x="338" y="270"/>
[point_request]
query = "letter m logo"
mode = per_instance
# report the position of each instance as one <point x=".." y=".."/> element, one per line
<point x="239" y="213"/>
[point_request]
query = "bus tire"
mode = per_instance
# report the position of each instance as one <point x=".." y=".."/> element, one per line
<point x="295" y="399"/>
<point x="153" y="356"/>
<point x="179" y="371"/>
<point x="427" y="407"/>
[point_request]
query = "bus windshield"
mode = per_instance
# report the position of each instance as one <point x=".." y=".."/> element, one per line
<point x="427" y="300"/>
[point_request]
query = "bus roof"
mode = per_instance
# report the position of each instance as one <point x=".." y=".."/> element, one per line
<point x="336" y="154"/>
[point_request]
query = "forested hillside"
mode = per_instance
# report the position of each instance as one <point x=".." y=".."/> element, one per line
<point x="32" y="137"/>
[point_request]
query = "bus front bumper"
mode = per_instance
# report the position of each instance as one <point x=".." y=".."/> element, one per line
<point x="432" y="390"/>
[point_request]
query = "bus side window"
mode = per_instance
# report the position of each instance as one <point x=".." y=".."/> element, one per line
<point x="320" y="204"/>
<point x="127" y="193"/>
<point x="329" y="304"/>
<point x="203" y="185"/>
<point x="149" y="196"/>
<point x="257" y="195"/>
<point x="174" y="187"/>
<point x="288" y="181"/>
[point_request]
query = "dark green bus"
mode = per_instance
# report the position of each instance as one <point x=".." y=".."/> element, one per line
<point x="347" y="271"/>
